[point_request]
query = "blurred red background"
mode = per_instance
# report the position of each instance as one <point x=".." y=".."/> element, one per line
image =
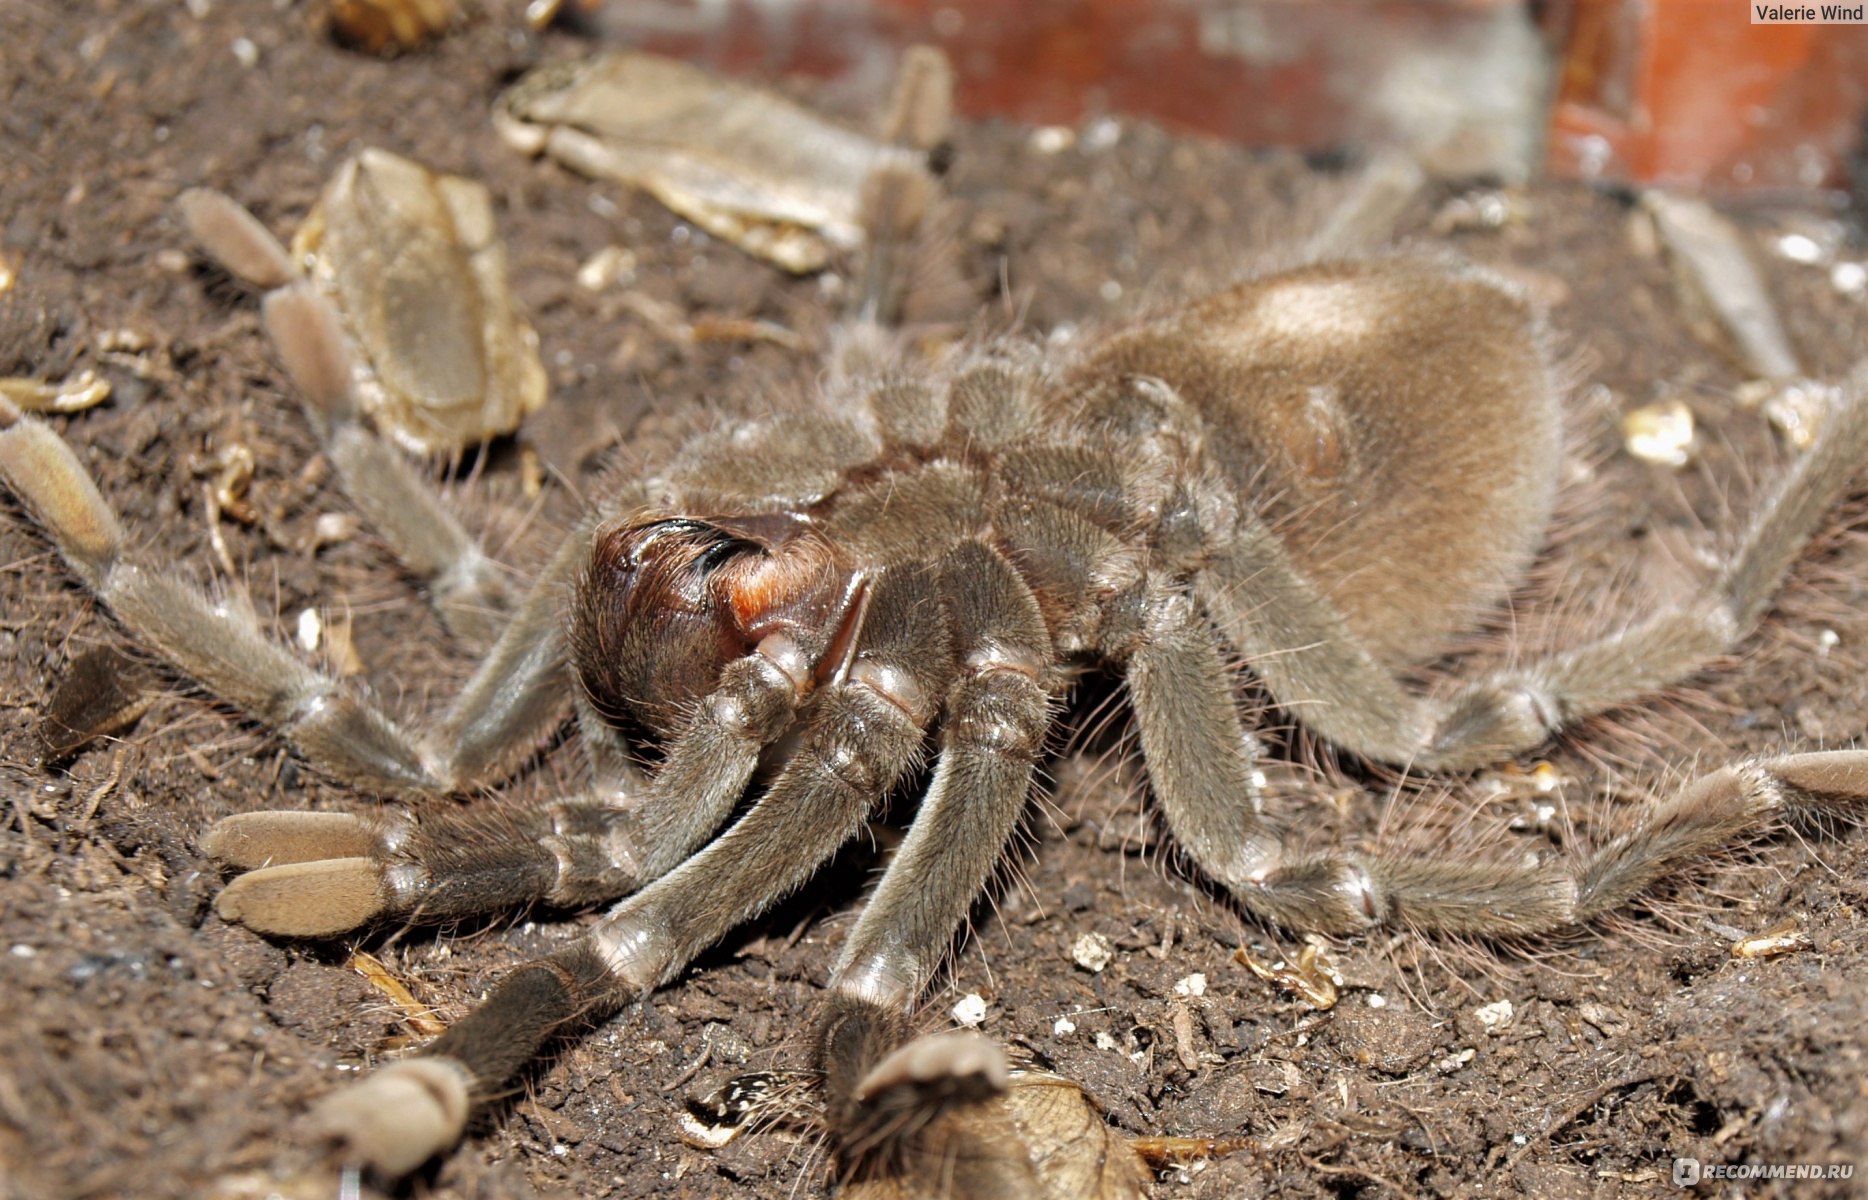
<point x="1678" y="92"/>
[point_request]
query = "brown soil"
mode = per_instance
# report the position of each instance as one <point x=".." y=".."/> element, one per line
<point x="150" y="1049"/>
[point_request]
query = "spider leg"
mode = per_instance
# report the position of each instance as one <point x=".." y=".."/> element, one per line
<point x="313" y="874"/>
<point x="1301" y="647"/>
<point x="1358" y="704"/>
<point x="1200" y="768"/>
<point x="217" y="642"/>
<point x="1341" y="893"/>
<point x="866" y="732"/>
<point x="1715" y="810"/>
<point x="317" y="874"/>
<point x="234" y="238"/>
<point x="323" y="873"/>
<point x="1200" y="758"/>
<point x="518" y="694"/>
<point x="465" y="587"/>
<point x="1513" y="711"/>
<point x="996" y="716"/>
<point x="513" y="700"/>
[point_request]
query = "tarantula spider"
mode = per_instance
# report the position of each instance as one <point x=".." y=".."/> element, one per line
<point x="1326" y="472"/>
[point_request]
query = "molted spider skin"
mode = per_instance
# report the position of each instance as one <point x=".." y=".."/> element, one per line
<point x="415" y="266"/>
<point x="1325" y="473"/>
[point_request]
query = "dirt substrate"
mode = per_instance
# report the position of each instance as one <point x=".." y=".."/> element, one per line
<point x="149" y="1049"/>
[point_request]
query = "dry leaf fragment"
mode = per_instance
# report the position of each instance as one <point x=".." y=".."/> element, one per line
<point x="102" y="692"/>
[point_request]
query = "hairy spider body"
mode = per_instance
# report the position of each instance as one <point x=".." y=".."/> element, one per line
<point x="1325" y="473"/>
<point x="1008" y="523"/>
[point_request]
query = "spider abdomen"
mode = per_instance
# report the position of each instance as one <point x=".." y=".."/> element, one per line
<point x="1393" y="420"/>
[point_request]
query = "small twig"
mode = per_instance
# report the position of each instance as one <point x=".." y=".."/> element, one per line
<point x="694" y="1068"/>
<point x="1327" y="1169"/>
<point x="1588" y="1101"/>
<point x="103" y="789"/>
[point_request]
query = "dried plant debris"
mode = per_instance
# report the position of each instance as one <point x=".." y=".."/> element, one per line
<point x="101" y="693"/>
<point x="1795" y="408"/>
<point x="1786" y="937"/>
<point x="748" y="1102"/>
<point x="75" y="394"/>
<point x="389" y="27"/>
<point x="446" y="359"/>
<point x="419" y="1017"/>
<point x="1660" y="433"/>
<point x="1313" y="978"/>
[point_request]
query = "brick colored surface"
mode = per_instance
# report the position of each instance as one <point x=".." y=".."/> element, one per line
<point x="1690" y="93"/>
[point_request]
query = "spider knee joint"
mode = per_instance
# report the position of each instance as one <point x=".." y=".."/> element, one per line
<point x="1329" y="895"/>
<point x="1498" y="718"/>
<point x="635" y="952"/>
<point x="1001" y="710"/>
<point x="884" y="981"/>
<point x="404" y="884"/>
<point x="1526" y="705"/>
<point x="746" y="707"/>
<point x="900" y="688"/>
<point x="1359" y="890"/>
<point x="784" y="663"/>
